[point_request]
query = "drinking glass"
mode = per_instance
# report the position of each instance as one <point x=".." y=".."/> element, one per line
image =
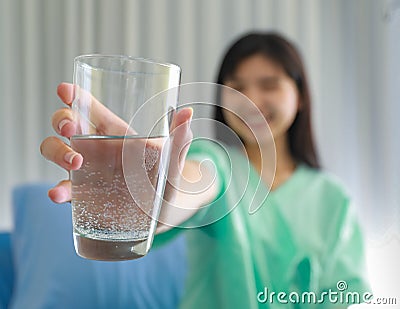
<point x="123" y="108"/>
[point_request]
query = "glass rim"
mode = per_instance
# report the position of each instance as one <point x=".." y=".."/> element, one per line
<point x="80" y="59"/>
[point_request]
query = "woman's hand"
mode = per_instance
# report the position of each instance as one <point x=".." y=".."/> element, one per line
<point x="55" y="150"/>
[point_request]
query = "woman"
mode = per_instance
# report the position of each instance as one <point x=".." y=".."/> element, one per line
<point x="249" y="248"/>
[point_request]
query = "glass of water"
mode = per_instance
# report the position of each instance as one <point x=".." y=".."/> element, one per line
<point x="123" y="108"/>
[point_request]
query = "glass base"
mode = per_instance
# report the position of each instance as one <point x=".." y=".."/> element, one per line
<point x="108" y="250"/>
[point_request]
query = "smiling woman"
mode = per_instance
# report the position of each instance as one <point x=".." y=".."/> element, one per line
<point x="269" y="71"/>
<point x="304" y="236"/>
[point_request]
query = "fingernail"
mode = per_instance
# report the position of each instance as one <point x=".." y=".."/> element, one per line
<point x="69" y="157"/>
<point x="63" y="123"/>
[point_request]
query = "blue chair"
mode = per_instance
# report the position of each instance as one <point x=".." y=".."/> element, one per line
<point x="48" y="274"/>
<point x="6" y="270"/>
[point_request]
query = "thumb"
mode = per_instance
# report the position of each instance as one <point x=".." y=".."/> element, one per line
<point x="181" y="138"/>
<point x="184" y="115"/>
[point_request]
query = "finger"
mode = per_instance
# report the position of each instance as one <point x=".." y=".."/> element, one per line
<point x="101" y="119"/>
<point x="61" y="193"/>
<point x="106" y="122"/>
<point x="53" y="149"/>
<point x="182" y="137"/>
<point x="63" y="123"/>
<point x="182" y="116"/>
<point x="66" y="93"/>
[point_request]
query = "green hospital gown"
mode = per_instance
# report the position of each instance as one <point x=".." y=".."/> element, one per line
<point x="303" y="237"/>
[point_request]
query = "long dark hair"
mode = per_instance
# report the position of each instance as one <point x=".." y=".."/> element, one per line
<point x="278" y="49"/>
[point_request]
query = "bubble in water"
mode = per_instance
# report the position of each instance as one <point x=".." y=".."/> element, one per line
<point x="151" y="157"/>
<point x="103" y="206"/>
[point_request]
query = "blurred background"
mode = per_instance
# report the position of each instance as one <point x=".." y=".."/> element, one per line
<point x="351" y="49"/>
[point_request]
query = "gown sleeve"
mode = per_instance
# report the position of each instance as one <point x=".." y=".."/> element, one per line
<point x="345" y="263"/>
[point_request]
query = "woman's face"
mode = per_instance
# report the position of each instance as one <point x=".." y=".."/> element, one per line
<point x="273" y="93"/>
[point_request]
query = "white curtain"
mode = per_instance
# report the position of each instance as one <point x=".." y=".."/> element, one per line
<point x="351" y="50"/>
